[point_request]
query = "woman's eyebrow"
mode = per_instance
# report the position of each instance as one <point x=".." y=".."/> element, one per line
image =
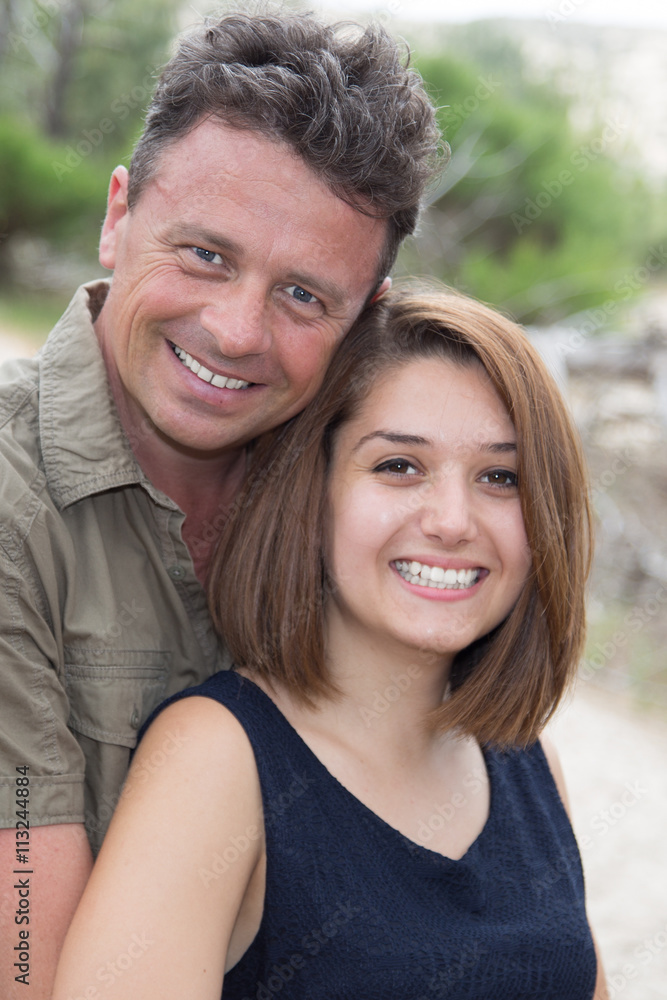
<point x="394" y="438"/>
<point x="497" y="446"/>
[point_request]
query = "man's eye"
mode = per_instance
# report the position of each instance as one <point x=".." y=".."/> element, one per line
<point x="300" y="294"/>
<point x="210" y="256"/>
<point x="501" y="477"/>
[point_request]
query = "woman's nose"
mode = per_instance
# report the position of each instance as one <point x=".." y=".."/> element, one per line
<point x="448" y="512"/>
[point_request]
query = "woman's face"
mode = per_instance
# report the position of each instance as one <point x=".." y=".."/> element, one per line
<point x="427" y="547"/>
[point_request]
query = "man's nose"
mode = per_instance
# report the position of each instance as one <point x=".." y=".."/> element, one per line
<point x="448" y="513"/>
<point x="238" y="319"/>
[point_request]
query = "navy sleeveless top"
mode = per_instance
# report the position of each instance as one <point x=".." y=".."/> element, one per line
<point x="354" y="910"/>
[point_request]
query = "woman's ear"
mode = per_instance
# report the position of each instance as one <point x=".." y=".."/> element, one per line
<point x="384" y="287"/>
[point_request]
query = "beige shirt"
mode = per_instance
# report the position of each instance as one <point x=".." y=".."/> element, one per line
<point x="101" y="614"/>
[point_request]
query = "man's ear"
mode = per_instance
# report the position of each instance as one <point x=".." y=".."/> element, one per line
<point x="117" y="210"/>
<point x="384" y="287"/>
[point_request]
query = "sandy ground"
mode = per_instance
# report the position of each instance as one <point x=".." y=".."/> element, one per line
<point x="615" y="763"/>
<point x="13" y="346"/>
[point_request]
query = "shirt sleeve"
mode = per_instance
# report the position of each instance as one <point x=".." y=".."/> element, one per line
<point x="34" y="708"/>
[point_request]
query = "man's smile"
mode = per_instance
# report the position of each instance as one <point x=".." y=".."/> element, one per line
<point x="205" y="374"/>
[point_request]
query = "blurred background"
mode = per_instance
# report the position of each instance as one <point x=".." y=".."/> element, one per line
<point x="553" y="208"/>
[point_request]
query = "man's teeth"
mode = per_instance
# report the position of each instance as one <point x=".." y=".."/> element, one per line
<point x="435" y="576"/>
<point x="205" y="375"/>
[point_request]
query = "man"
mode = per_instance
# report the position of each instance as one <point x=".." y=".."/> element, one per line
<point x="281" y="164"/>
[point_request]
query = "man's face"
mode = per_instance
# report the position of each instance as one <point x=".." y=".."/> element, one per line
<point x="235" y="275"/>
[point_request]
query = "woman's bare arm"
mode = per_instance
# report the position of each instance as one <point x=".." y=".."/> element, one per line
<point x="158" y="912"/>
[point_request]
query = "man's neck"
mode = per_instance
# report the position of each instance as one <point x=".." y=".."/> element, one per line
<point x="204" y="487"/>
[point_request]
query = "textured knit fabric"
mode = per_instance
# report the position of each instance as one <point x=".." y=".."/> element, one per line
<point x="101" y="614"/>
<point x="354" y="910"/>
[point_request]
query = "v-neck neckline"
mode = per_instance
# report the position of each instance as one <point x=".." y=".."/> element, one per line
<point x="412" y="845"/>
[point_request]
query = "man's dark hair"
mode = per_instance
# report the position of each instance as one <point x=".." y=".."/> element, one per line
<point x="338" y="95"/>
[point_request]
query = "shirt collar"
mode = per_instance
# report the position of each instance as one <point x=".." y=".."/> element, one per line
<point x="84" y="447"/>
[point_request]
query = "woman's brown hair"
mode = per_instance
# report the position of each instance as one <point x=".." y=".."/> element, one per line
<point x="269" y="582"/>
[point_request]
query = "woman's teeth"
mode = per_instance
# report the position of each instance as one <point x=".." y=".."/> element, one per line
<point x="435" y="576"/>
<point x="198" y="369"/>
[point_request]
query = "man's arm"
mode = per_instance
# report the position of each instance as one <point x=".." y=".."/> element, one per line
<point x="59" y="866"/>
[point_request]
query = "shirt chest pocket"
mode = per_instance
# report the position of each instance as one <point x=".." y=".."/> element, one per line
<point x="112" y="692"/>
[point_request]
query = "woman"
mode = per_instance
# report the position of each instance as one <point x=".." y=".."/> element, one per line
<point x="362" y="809"/>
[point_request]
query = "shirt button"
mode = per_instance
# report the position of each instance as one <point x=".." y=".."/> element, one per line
<point x="176" y="572"/>
<point x="134" y="721"/>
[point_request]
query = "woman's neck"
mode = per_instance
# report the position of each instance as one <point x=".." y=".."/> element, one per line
<point x="385" y="694"/>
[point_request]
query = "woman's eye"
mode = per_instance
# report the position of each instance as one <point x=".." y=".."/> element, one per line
<point x="209" y="256"/>
<point x="397" y="467"/>
<point x="501" y="477"/>
<point x="300" y="294"/>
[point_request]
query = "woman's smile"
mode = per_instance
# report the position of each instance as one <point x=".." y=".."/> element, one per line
<point x="427" y="545"/>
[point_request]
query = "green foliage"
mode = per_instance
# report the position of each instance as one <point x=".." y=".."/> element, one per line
<point x="76" y="77"/>
<point x="530" y="214"/>
<point x="68" y="64"/>
<point x="48" y="189"/>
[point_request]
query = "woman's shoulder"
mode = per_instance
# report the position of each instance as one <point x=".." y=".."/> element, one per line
<point x="187" y="742"/>
<point x="183" y="724"/>
<point x="553" y="760"/>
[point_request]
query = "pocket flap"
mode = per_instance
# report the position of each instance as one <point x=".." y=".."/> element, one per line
<point x="112" y="692"/>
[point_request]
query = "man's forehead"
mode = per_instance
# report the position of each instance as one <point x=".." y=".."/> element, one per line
<point x="215" y="170"/>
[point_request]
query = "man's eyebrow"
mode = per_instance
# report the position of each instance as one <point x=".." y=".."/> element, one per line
<point x="198" y="236"/>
